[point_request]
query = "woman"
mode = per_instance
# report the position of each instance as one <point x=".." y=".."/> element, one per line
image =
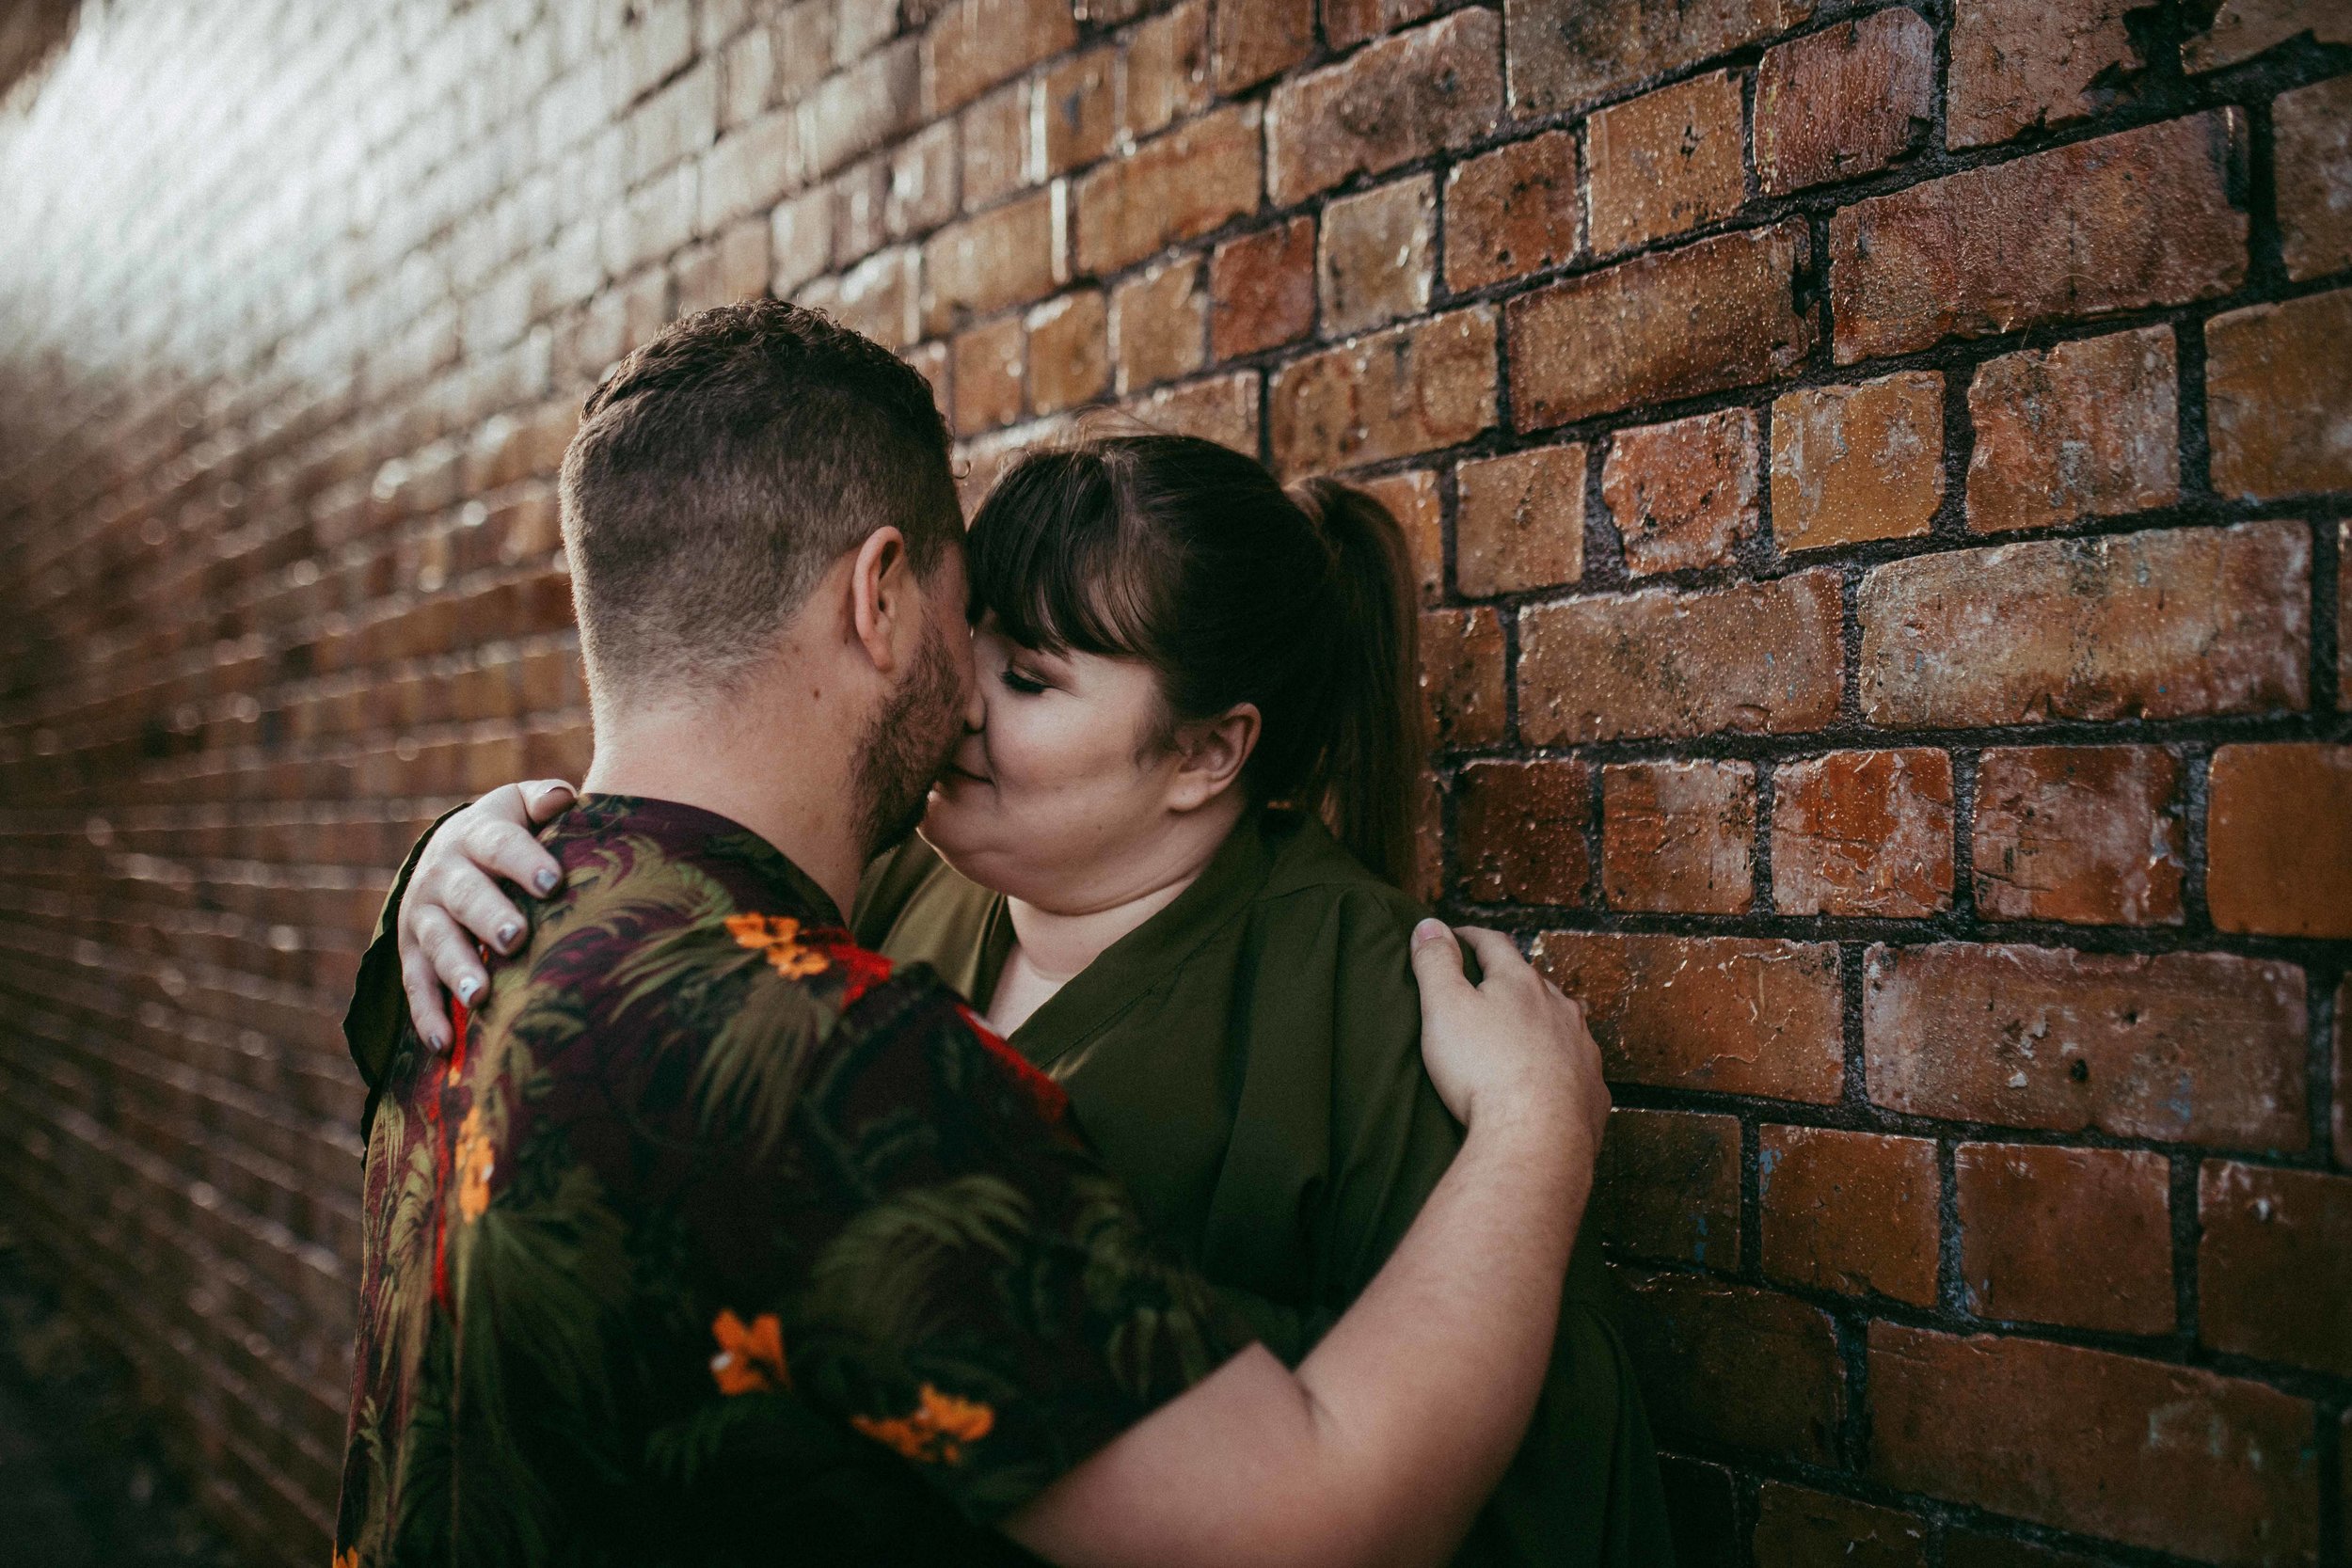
<point x="1165" y="869"/>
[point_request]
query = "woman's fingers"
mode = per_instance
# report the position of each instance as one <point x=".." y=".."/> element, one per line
<point x="428" y="1009"/>
<point x="450" y="955"/>
<point x="467" y="896"/>
<point x="543" y="799"/>
<point x="500" y="843"/>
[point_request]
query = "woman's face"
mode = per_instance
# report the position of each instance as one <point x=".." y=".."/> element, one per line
<point x="1064" y="799"/>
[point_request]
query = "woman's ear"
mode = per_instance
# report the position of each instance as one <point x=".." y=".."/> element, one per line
<point x="1210" y="754"/>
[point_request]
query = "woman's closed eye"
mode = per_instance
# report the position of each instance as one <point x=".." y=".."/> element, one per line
<point x="1021" y="682"/>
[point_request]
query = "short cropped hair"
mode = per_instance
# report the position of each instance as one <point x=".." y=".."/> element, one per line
<point x="720" y="469"/>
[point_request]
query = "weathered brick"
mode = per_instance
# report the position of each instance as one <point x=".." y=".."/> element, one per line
<point x="1159" y="324"/>
<point x="1068" y="351"/>
<point x="2184" y="1047"/>
<point x="2340" y="1123"/>
<point x="988" y="376"/>
<point x="2279" y="397"/>
<point x="2139" y="218"/>
<point x="1461" y="681"/>
<point x="799" y="241"/>
<point x="1857" y="463"/>
<point x="2274" y="1265"/>
<point x="1715" y="314"/>
<point x="1844" y="102"/>
<point x="1262" y="289"/>
<point x="1219" y="409"/>
<point x="1350" y="22"/>
<point x="2312" y="128"/>
<point x="923" y="191"/>
<point x="975" y="44"/>
<point x="1864" y="833"/>
<point x="1254" y="40"/>
<point x="1849" y="1212"/>
<point x="996" y="146"/>
<point x="877" y="298"/>
<point x="1667" y="1186"/>
<point x="2017" y="65"/>
<point x="2171" y="1458"/>
<point x="1077" y="111"/>
<point x="1799" y="1529"/>
<point x="1662" y="662"/>
<point x="1968" y="1550"/>
<point x="1175" y="188"/>
<point x="2086" y="429"/>
<point x="2089" y="834"/>
<point x="1374" y="263"/>
<point x="1734" y="1014"/>
<point x="1519" y="521"/>
<point x="2242" y="29"/>
<point x="1415" y="387"/>
<point x="1166" y="70"/>
<point x="1666" y="162"/>
<point x="855" y="111"/>
<point x="1404" y="98"/>
<point x="1513" y="211"/>
<point x="1522" y="830"/>
<point x="1565" y="52"/>
<point x="1703" y="1508"/>
<point x="1412" y="499"/>
<point x="974" y="268"/>
<point x="2157" y="625"/>
<point x="1679" y="836"/>
<point x="2080" y="1237"/>
<point x="2343" y="604"/>
<point x="1726" y="1364"/>
<point x="1683" y="495"/>
<point x="2279" y="840"/>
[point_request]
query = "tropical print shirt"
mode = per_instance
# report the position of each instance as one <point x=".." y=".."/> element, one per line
<point x="713" y="1239"/>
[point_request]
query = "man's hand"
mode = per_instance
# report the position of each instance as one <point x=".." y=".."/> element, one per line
<point x="1513" y="1044"/>
<point x="454" y="898"/>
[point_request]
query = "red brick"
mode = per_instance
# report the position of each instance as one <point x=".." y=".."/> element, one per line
<point x="1864" y="833"/>
<point x="1660" y="662"/>
<point x="1412" y="499"/>
<point x="1175" y="188"/>
<point x="995" y="135"/>
<point x="1844" y="102"/>
<point x="1708" y="316"/>
<point x="1346" y="22"/>
<point x="2138" y="626"/>
<point x="2135" y="219"/>
<point x="1857" y="463"/>
<point x="2242" y="29"/>
<point x="1801" y="1528"/>
<point x="1683" y="495"/>
<point x="1666" y="162"/>
<point x="1258" y="38"/>
<point x="1966" y="1549"/>
<point x="2313" y="132"/>
<point x="861" y="110"/>
<point x="1679" y="836"/>
<point x="1220" y="408"/>
<point x="1068" y="351"/>
<point x="1398" y="99"/>
<point x="1412" y="389"/>
<point x="1077" y="113"/>
<point x="933" y="362"/>
<point x="1167" y="70"/>
<point x="799" y="241"/>
<point x="2343" y="606"/>
<point x="2080" y="1237"/>
<point x="1520" y="521"/>
<point x="1513" y="211"/>
<point x="1728" y="1365"/>
<point x="2279" y="840"/>
<point x="2172" y="1458"/>
<point x="1262" y="289"/>
<point x="1375" y="264"/>
<point x="2279" y="397"/>
<point x="2087" y="429"/>
<point x="1667" y="1186"/>
<point x="1461" y="682"/>
<point x="988" y="376"/>
<point x="876" y="297"/>
<point x="1737" y="1015"/>
<point x="2274" y="1265"/>
<point x="1566" y="52"/>
<point x="2089" y="834"/>
<point x="1521" y="826"/>
<point x="1703" y="1507"/>
<point x="975" y="44"/>
<point x="2183" y="1046"/>
<point x="2342" y="1122"/>
<point x="2017" y="65"/>
<point x="1849" y="1212"/>
<point x="1159" y="324"/>
<point x="923" y="190"/>
<point x="1007" y="256"/>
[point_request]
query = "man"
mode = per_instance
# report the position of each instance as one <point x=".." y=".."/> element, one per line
<point x="709" y="1239"/>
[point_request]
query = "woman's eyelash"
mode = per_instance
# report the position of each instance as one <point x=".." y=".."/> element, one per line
<point x="1028" y="686"/>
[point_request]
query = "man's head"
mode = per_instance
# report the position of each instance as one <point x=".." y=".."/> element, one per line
<point x="721" y="474"/>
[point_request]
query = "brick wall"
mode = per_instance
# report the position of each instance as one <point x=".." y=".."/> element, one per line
<point x="1884" y="482"/>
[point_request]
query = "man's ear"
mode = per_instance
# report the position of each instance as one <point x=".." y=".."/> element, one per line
<point x="1210" y="755"/>
<point x="885" y="601"/>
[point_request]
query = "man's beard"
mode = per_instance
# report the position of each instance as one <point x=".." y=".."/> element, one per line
<point x="906" y="745"/>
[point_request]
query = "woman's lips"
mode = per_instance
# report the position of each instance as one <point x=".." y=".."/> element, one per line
<point x="953" y="771"/>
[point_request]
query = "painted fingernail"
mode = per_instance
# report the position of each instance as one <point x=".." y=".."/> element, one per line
<point x="545" y="881"/>
<point x="439" y="1042"/>
<point x="507" y="933"/>
<point x="466" y="990"/>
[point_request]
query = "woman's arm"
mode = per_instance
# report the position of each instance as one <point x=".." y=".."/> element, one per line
<point x="1382" y="1445"/>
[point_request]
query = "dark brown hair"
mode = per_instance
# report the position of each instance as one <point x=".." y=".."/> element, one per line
<point x="1191" y="557"/>
<point x="721" y="468"/>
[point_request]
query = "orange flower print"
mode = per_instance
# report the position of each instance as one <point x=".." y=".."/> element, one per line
<point x="935" y="1431"/>
<point x="778" y="935"/>
<point x="347" y="1558"/>
<point x="750" y="1359"/>
<point x="475" y="1161"/>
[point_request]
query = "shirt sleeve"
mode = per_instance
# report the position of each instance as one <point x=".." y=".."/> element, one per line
<point x="378" y="1014"/>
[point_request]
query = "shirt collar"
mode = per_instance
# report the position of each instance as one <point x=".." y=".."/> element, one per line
<point x="755" y="871"/>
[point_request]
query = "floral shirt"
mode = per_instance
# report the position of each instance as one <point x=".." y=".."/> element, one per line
<point x="713" y="1241"/>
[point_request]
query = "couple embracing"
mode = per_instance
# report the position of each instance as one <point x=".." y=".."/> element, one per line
<point x="1129" y="1176"/>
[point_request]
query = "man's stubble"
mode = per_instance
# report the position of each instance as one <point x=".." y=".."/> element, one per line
<point x="906" y="745"/>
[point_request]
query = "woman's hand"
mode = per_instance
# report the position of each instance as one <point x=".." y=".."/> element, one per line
<point x="1513" y="1044"/>
<point x="454" y="898"/>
